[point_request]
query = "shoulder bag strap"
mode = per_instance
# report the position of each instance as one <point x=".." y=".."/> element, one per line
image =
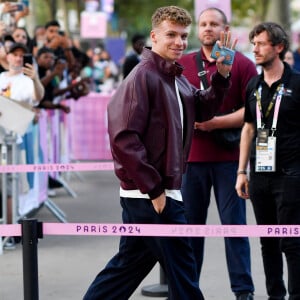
<point x="202" y="72"/>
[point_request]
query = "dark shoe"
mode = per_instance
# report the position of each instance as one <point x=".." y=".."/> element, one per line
<point x="10" y="244"/>
<point x="245" y="296"/>
<point x="54" y="183"/>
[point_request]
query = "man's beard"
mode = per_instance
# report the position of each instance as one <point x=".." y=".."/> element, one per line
<point x="208" y="44"/>
<point x="267" y="63"/>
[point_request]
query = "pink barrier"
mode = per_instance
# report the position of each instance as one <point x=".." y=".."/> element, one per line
<point x="87" y="124"/>
<point x="70" y="167"/>
<point x="172" y="230"/>
<point x="31" y="198"/>
<point x="43" y="194"/>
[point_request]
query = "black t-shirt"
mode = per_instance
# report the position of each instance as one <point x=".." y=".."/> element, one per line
<point x="130" y="62"/>
<point x="288" y="125"/>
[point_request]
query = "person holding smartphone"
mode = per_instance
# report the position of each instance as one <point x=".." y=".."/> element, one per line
<point x="59" y="42"/>
<point x="11" y="13"/>
<point x="20" y="83"/>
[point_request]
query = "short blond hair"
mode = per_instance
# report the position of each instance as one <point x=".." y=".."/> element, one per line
<point x="173" y="14"/>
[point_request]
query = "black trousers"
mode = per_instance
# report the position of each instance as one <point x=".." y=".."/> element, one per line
<point x="138" y="255"/>
<point x="276" y="200"/>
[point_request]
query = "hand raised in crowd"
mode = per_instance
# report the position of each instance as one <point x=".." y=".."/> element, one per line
<point x="79" y="88"/>
<point x="59" y="67"/>
<point x="58" y="41"/>
<point x="21" y="14"/>
<point x="30" y="71"/>
<point x="66" y="109"/>
<point x="225" y="41"/>
<point x="55" y="42"/>
<point x="9" y="7"/>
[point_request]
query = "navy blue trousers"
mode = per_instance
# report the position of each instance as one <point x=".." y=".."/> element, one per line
<point x="276" y="200"/>
<point x="196" y="190"/>
<point x="138" y="255"/>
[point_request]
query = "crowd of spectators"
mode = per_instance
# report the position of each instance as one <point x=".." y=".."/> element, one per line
<point x="44" y="71"/>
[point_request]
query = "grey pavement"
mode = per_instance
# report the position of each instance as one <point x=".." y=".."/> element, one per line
<point x="68" y="264"/>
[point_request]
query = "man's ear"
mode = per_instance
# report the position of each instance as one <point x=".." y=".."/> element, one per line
<point x="279" y="48"/>
<point x="153" y="36"/>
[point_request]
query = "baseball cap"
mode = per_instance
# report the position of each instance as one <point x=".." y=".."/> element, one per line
<point x="16" y="46"/>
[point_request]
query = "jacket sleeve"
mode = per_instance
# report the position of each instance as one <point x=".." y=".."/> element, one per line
<point x="210" y="100"/>
<point x="128" y="114"/>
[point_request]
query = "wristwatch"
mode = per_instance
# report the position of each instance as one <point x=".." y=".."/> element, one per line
<point x="241" y="172"/>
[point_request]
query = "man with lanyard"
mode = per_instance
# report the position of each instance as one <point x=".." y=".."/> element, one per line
<point x="271" y="141"/>
<point x="211" y="166"/>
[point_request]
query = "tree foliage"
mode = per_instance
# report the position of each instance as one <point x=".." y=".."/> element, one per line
<point x="245" y="13"/>
<point x="135" y="15"/>
<point x="132" y="16"/>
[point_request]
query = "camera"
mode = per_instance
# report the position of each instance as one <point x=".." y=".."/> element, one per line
<point x="19" y="6"/>
<point x="224" y="51"/>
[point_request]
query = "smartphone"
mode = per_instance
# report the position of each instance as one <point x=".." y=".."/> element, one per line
<point x="27" y="59"/>
<point x="19" y="6"/>
<point x="224" y="51"/>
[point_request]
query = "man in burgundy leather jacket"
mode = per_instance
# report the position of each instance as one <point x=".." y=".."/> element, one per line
<point x="150" y="124"/>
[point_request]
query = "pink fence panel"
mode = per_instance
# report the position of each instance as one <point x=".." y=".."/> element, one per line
<point x="87" y="128"/>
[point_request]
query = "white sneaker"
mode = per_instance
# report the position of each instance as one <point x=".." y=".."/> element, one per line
<point x="51" y="193"/>
<point x="10" y="244"/>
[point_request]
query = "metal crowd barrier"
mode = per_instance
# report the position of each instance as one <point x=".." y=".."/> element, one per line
<point x="10" y="154"/>
<point x="92" y="109"/>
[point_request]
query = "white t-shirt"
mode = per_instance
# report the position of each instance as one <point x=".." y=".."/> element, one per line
<point x="21" y="88"/>
<point x="18" y="87"/>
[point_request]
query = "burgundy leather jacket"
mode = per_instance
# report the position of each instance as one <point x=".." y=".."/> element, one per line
<point x="148" y="143"/>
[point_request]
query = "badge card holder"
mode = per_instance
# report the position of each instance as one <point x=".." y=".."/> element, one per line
<point x="265" y="151"/>
<point x="265" y="144"/>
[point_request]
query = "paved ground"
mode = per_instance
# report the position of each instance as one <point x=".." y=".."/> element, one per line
<point x="68" y="264"/>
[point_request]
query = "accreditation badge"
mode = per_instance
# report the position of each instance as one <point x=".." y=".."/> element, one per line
<point x="265" y="152"/>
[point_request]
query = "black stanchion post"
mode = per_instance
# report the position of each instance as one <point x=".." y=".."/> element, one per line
<point x="31" y="231"/>
<point x="157" y="290"/>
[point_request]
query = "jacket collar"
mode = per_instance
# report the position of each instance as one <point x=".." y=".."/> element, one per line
<point x="171" y="69"/>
